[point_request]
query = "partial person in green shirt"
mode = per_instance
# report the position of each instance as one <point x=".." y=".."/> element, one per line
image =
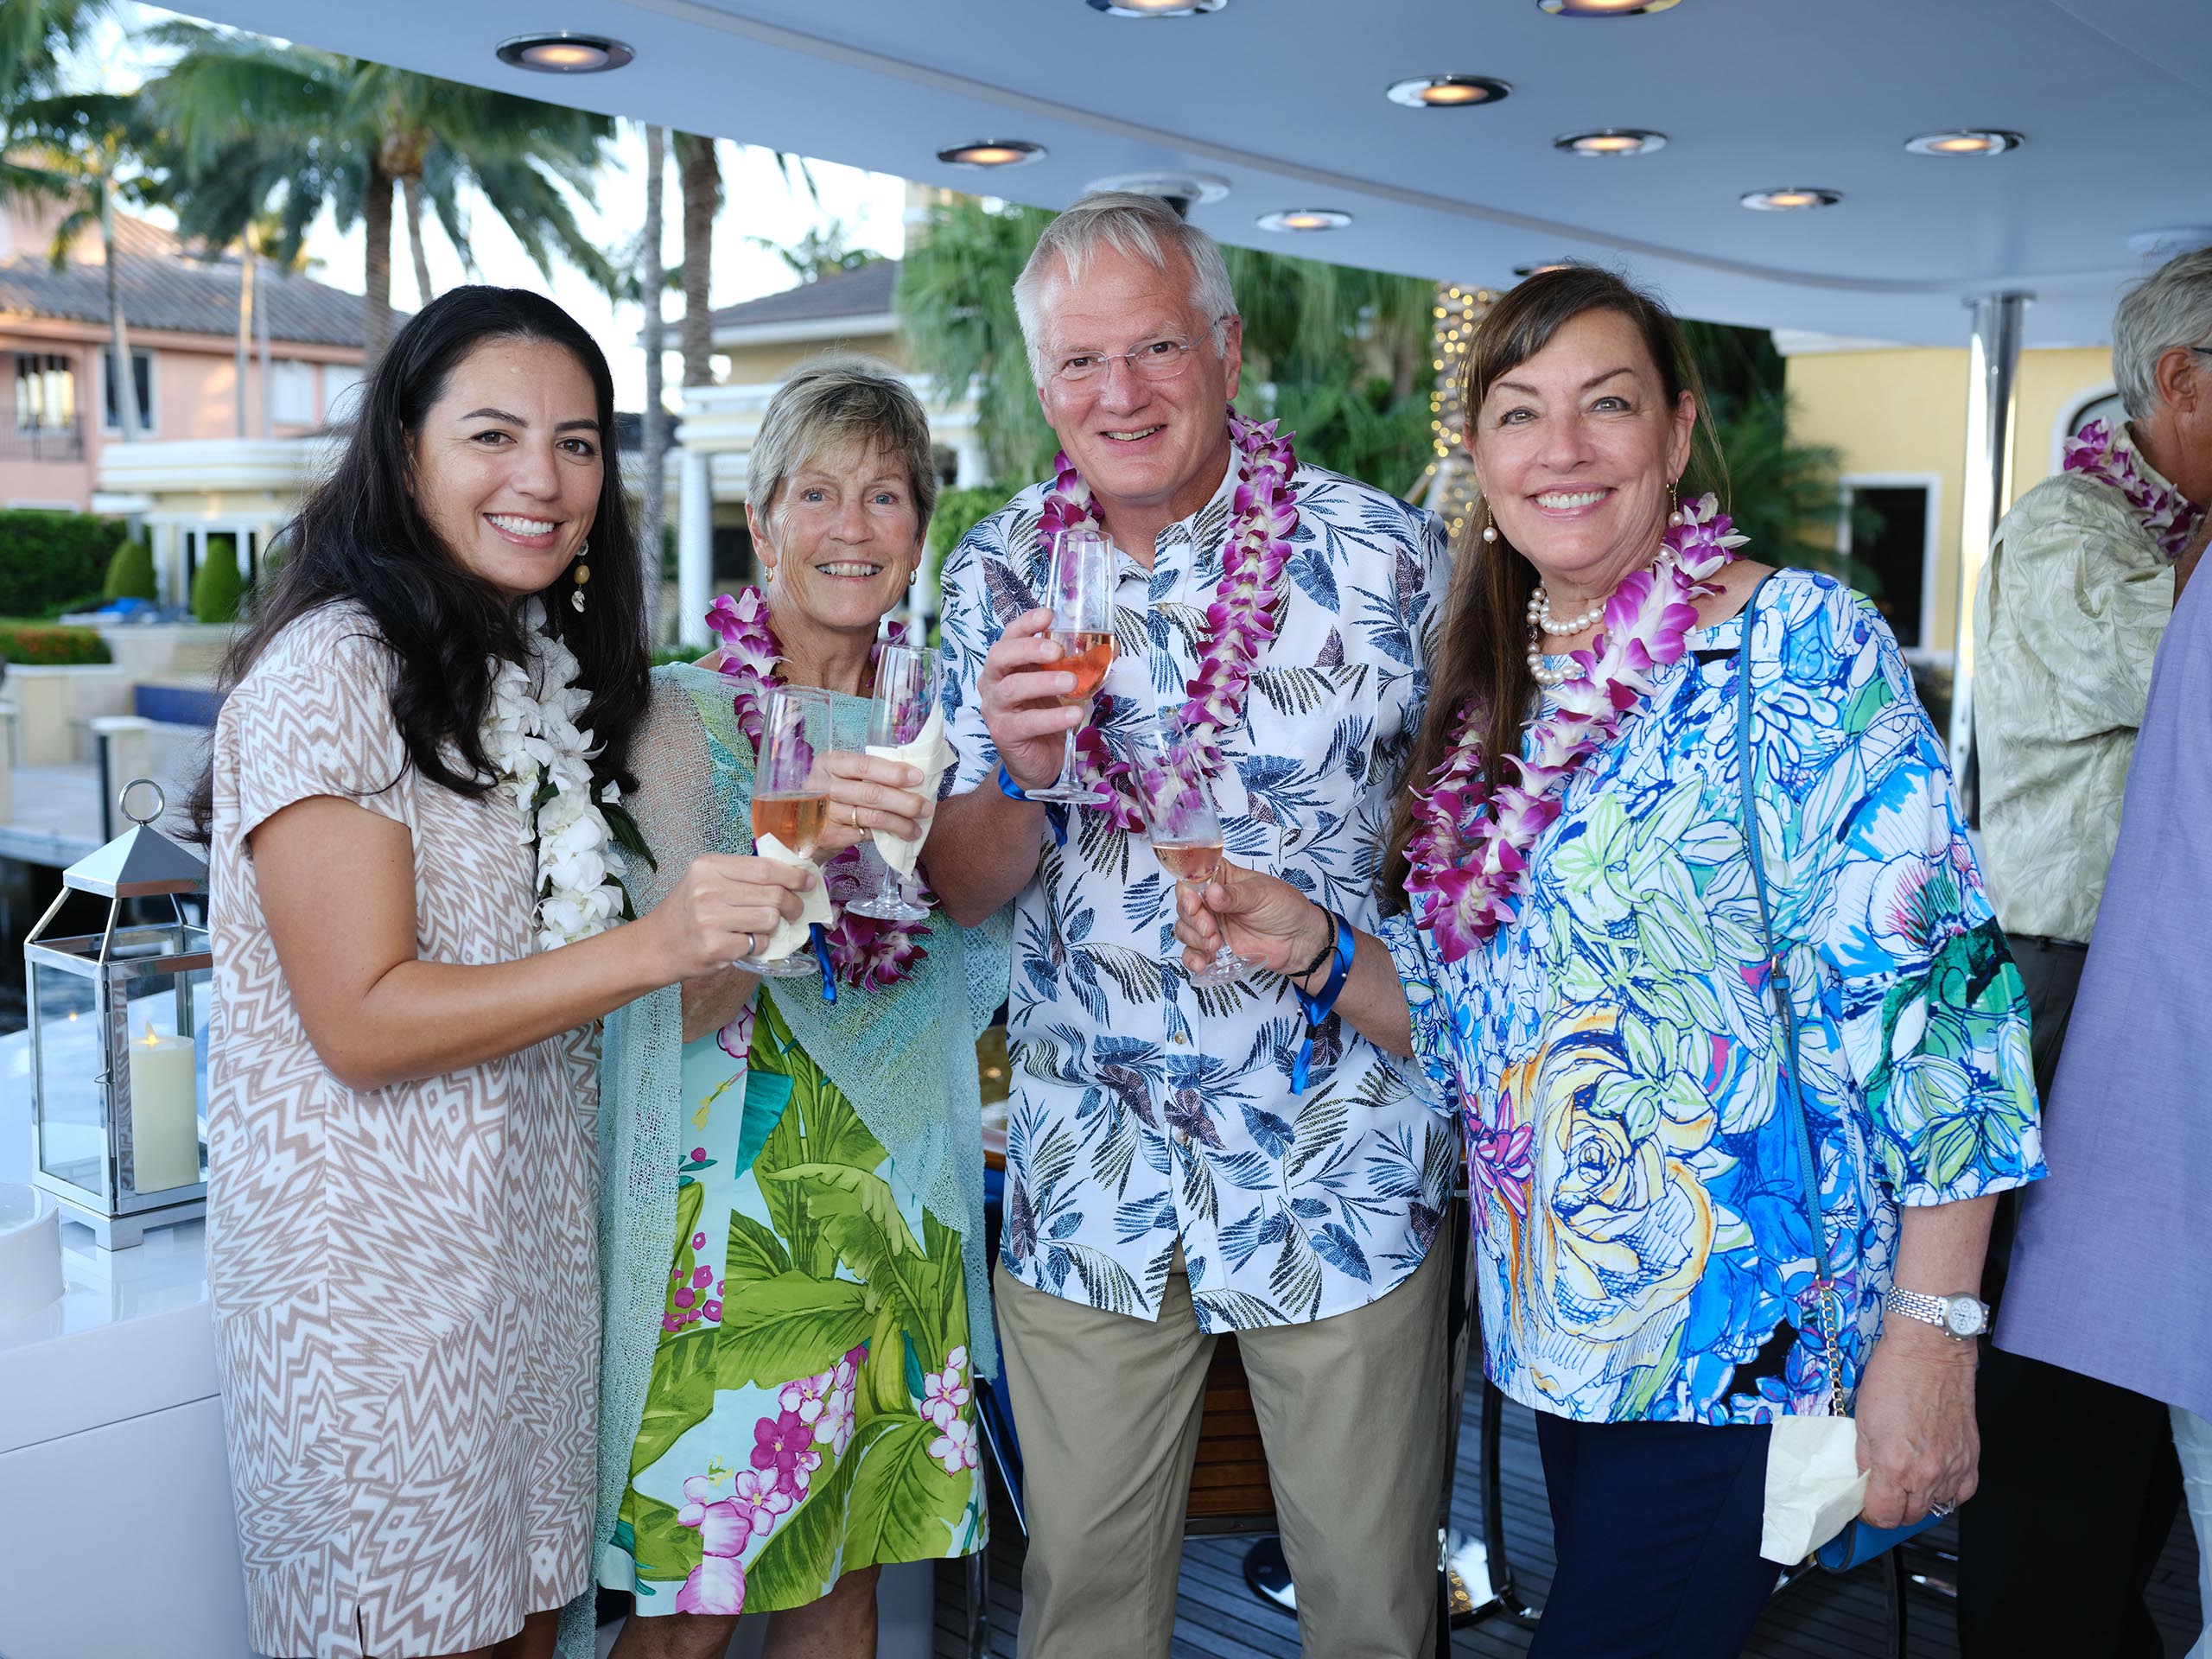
<point x="2079" y="1480"/>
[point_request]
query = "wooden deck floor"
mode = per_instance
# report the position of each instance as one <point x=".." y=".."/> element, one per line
<point x="1821" y="1617"/>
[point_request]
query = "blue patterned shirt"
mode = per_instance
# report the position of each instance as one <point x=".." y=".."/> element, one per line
<point x="1147" y="1110"/>
<point x="1638" y="1212"/>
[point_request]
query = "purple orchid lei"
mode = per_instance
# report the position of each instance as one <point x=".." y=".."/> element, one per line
<point x="868" y="954"/>
<point x="1467" y="884"/>
<point x="1240" y="620"/>
<point x="2164" y="510"/>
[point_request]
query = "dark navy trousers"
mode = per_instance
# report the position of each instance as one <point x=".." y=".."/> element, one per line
<point x="1658" y="1526"/>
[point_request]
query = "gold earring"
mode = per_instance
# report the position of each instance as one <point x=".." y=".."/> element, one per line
<point x="583" y="576"/>
<point x="1490" y="525"/>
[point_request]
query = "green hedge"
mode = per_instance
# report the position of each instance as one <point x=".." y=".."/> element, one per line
<point x="957" y="513"/>
<point x="130" y="573"/>
<point x="217" y="587"/>
<point x="52" y="559"/>
<point x="49" y="644"/>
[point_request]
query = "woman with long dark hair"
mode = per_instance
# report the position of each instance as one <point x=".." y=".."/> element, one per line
<point x="412" y="805"/>
<point x="1688" y="924"/>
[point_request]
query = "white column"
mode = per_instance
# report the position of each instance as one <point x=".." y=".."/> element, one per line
<point x="7" y="762"/>
<point x="1994" y="361"/>
<point x="967" y="456"/>
<point x="695" y="547"/>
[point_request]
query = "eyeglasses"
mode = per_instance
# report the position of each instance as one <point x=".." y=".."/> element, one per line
<point x="1156" y="359"/>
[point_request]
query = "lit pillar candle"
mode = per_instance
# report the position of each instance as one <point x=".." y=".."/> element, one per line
<point x="164" y="1111"/>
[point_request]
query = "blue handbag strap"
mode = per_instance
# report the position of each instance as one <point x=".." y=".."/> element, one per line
<point x="1777" y="970"/>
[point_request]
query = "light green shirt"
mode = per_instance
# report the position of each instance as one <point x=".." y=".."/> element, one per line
<point x="2067" y="620"/>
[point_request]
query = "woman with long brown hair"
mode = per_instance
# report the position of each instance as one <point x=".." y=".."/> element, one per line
<point x="1687" y="921"/>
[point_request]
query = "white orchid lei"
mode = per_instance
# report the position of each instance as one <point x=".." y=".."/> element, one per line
<point x="1469" y="854"/>
<point x="1240" y="620"/>
<point x="541" y="763"/>
<point x="2165" y="513"/>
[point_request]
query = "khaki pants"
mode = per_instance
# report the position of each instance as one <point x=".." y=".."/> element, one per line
<point x="1350" y="1411"/>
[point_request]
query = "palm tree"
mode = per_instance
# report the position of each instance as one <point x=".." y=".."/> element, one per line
<point x="652" y="276"/>
<point x="699" y="174"/>
<point x="88" y="149"/>
<point x="325" y="129"/>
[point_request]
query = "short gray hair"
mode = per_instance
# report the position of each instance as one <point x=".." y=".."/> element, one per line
<point x="2171" y="307"/>
<point x="1136" y="227"/>
<point x="831" y="402"/>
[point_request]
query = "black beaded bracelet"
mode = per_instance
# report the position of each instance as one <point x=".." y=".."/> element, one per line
<point x="1327" y="951"/>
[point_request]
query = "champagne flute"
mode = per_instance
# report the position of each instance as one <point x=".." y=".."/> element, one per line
<point x="1082" y="599"/>
<point x="790" y="792"/>
<point x="1177" y="800"/>
<point x="906" y="695"/>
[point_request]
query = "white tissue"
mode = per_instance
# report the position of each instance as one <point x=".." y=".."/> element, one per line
<point x="929" y="751"/>
<point x="814" y="903"/>
<point x="1814" y="1487"/>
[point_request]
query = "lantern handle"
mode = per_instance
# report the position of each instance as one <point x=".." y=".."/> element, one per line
<point x="122" y="801"/>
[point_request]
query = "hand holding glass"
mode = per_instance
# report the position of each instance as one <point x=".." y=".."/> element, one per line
<point x="1082" y="599"/>
<point x="1177" y="800"/>
<point x="906" y="695"/>
<point x="791" y="791"/>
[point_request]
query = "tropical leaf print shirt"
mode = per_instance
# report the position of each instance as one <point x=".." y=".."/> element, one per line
<point x="1614" y="1052"/>
<point x="1147" y="1111"/>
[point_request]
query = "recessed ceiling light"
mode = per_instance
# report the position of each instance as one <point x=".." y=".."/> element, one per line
<point x="1605" y="8"/>
<point x="1538" y="271"/>
<point x="1176" y="186"/>
<point x="560" y="52"/>
<point x="1447" y="92"/>
<point x="1966" y="141"/>
<point x="1790" y="199"/>
<point x="1305" y="219"/>
<point x="1156" y="8"/>
<point x="1611" y="141"/>
<point x="992" y="152"/>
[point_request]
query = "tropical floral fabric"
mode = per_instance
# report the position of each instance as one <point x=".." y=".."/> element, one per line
<point x="1614" y="1052"/>
<point x="810" y="1412"/>
<point x="1145" y="1109"/>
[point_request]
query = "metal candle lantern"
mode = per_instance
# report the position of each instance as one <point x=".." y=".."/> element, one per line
<point x="119" y="1041"/>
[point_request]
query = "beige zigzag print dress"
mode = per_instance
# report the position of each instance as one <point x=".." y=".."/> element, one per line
<point x="404" y="1282"/>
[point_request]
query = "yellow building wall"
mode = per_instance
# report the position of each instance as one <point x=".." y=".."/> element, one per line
<point x="1904" y="411"/>
<point x="756" y="366"/>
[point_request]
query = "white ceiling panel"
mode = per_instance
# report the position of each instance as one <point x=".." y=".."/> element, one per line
<point x="1285" y="99"/>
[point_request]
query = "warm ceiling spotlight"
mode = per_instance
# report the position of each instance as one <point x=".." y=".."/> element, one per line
<point x="1447" y="92"/>
<point x="992" y="152"/>
<point x="560" y="52"/>
<point x="1966" y="140"/>
<point x="1156" y="8"/>
<point x="1605" y="8"/>
<point x="1789" y="200"/>
<point x="1305" y="219"/>
<point x="1611" y="141"/>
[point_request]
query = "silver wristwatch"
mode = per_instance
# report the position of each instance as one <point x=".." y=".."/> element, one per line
<point x="1963" y="1317"/>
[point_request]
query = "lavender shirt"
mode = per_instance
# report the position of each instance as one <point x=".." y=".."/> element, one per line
<point x="2112" y="1273"/>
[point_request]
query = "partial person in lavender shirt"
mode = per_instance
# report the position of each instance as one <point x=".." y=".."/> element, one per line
<point x="2112" y="1271"/>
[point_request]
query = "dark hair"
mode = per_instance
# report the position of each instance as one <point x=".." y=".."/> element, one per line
<point x="1483" y="647"/>
<point x="361" y="535"/>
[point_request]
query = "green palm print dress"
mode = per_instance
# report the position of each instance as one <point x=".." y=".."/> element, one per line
<point x="810" y="1409"/>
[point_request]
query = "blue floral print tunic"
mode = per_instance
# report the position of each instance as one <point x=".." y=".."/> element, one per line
<point x="1614" y="1053"/>
<point x="1148" y="1111"/>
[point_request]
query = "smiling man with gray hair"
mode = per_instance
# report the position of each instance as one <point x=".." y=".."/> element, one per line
<point x="1185" y="1160"/>
<point x="2079" y="1482"/>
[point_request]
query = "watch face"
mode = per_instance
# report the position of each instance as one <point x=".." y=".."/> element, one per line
<point x="1964" y="1317"/>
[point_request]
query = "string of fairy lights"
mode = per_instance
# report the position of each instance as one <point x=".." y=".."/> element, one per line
<point x="1447" y="483"/>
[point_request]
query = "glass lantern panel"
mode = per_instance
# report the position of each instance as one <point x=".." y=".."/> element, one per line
<point x="167" y="1068"/>
<point x="73" y="1134"/>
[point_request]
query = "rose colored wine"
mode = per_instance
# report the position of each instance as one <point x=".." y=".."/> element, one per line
<point x="1189" y="860"/>
<point x="1087" y="656"/>
<point x="795" y="820"/>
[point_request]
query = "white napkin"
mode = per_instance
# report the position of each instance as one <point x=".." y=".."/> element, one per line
<point x="1814" y="1487"/>
<point x="929" y="751"/>
<point x="814" y="903"/>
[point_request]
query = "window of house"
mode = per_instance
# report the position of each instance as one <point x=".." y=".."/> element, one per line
<point x="291" y="393"/>
<point x="46" y="392"/>
<point x="1886" y="535"/>
<point x="342" y="387"/>
<point x="141" y="371"/>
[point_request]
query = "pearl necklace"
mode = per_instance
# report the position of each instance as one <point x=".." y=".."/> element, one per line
<point x="1539" y="607"/>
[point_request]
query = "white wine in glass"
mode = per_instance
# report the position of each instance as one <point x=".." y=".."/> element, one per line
<point x="790" y="792"/>
<point x="1176" y="799"/>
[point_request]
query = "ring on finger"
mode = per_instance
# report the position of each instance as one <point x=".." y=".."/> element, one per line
<point x="856" y="815"/>
<point x="752" y="945"/>
<point x="1940" y="1510"/>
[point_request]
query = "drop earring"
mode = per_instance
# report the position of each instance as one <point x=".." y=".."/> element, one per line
<point x="583" y="576"/>
<point x="1673" y="508"/>
<point x="1489" y="526"/>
